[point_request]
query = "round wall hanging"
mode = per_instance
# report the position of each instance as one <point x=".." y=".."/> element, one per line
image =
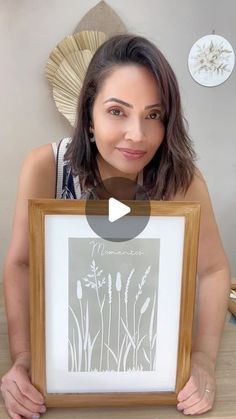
<point x="211" y="60"/>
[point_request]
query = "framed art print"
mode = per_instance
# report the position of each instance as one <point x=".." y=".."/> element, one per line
<point x="111" y="321"/>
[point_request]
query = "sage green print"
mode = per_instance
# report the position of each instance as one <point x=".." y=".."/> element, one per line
<point x="112" y="304"/>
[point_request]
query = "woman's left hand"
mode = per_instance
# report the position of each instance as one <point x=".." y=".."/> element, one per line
<point x="198" y="394"/>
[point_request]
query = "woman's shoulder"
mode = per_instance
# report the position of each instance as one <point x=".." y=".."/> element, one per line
<point x="39" y="170"/>
<point x="41" y="155"/>
<point x="197" y="190"/>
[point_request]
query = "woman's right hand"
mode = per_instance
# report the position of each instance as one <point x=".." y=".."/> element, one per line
<point x="21" y="398"/>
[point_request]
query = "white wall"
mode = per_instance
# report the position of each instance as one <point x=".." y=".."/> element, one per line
<point x="30" y="29"/>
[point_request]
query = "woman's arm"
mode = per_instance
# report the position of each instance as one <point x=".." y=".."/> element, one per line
<point x="37" y="180"/>
<point x="212" y="301"/>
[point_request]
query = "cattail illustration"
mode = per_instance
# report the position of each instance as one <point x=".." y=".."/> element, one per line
<point x="109" y="320"/>
<point x="118" y="281"/>
<point x="77" y="365"/>
<point x="127" y="298"/>
<point x="79" y="290"/>
<point x="79" y="294"/>
<point x="152" y="337"/>
<point x="72" y="368"/>
<point x="142" y="311"/>
<point x="118" y="288"/>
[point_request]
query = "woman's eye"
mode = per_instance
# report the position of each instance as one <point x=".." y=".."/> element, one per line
<point x="154" y="115"/>
<point x="116" y="112"/>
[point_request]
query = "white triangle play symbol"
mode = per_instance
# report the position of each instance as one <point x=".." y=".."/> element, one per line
<point x="117" y="210"/>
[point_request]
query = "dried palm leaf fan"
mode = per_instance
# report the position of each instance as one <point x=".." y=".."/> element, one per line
<point x="66" y="68"/>
<point x="86" y="40"/>
<point x="68" y="82"/>
<point x="68" y="62"/>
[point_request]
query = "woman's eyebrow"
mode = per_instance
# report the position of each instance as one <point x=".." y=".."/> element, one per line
<point x="156" y="105"/>
<point x="114" y="99"/>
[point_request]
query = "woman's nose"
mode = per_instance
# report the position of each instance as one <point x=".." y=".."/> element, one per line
<point x="135" y="131"/>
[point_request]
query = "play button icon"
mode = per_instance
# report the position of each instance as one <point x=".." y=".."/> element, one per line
<point x="118" y="209"/>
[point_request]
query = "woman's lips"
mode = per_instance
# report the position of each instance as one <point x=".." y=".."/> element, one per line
<point x="132" y="154"/>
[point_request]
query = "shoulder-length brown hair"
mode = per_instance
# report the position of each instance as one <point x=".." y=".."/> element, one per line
<point x="171" y="170"/>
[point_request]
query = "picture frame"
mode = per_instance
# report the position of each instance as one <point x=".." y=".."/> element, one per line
<point x="128" y="342"/>
<point x="232" y="300"/>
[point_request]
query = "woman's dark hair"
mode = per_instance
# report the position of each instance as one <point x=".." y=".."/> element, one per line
<point x="172" y="167"/>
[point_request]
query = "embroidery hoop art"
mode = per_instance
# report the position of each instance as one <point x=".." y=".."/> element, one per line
<point x="211" y="60"/>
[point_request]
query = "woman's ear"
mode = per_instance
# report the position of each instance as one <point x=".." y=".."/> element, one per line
<point x="91" y="126"/>
<point x="91" y="133"/>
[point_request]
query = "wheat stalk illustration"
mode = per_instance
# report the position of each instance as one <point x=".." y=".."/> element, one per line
<point x="140" y="291"/>
<point x="93" y="280"/>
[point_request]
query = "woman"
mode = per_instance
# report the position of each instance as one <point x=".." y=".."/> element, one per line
<point x="129" y="123"/>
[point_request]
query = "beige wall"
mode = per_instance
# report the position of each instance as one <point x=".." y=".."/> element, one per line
<point x="30" y="29"/>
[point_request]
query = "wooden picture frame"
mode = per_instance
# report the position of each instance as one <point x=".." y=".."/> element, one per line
<point x="58" y="229"/>
<point x="232" y="301"/>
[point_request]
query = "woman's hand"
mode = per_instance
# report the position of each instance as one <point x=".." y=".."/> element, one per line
<point x="198" y="394"/>
<point x="20" y="396"/>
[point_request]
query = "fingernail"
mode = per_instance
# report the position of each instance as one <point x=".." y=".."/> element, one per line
<point x="35" y="417"/>
<point x="42" y="409"/>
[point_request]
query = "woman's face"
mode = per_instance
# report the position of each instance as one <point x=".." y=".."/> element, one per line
<point x="127" y="121"/>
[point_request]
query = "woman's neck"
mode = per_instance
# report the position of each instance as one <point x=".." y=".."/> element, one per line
<point x="112" y="186"/>
<point x="107" y="171"/>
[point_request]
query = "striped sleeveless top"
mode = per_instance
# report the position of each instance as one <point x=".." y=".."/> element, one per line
<point x="67" y="185"/>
